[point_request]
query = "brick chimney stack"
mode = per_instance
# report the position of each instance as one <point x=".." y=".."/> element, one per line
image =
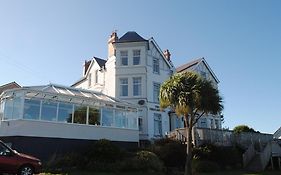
<point x="167" y="54"/>
<point x="113" y="38"/>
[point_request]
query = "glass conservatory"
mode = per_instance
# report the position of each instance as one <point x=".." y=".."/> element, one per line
<point x="67" y="105"/>
<point x="55" y="111"/>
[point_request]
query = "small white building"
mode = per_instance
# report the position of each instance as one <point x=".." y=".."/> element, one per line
<point x="53" y="119"/>
<point x="134" y="71"/>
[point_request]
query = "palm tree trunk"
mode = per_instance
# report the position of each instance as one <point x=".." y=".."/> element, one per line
<point x="188" y="162"/>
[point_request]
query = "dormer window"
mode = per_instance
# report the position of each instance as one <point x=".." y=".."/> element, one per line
<point x="136" y="57"/>
<point x="124" y="58"/>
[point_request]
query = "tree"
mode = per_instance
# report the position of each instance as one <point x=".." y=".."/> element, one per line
<point x="190" y="96"/>
<point x="242" y="128"/>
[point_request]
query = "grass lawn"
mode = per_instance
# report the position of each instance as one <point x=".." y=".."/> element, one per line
<point x="141" y="173"/>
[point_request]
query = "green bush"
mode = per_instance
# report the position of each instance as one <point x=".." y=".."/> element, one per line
<point x="225" y="157"/>
<point x="145" y="161"/>
<point x="204" y="166"/>
<point x="171" y="152"/>
<point x="103" y="151"/>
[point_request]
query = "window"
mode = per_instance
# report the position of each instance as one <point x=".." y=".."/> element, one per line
<point x="203" y="122"/>
<point x="80" y="114"/>
<point x="31" y="109"/>
<point x="65" y="112"/>
<point x="121" y="119"/>
<point x="136" y="86"/>
<point x="136" y="57"/>
<point x="156" y="91"/>
<point x="217" y="124"/>
<point x="96" y="76"/>
<point x="157" y="124"/>
<point x="140" y="124"/>
<point x="124" y="58"/>
<point x="94" y="116"/>
<point x="107" y="117"/>
<point x="49" y="111"/>
<point x="123" y="87"/>
<point x="156" y="65"/>
<point x="8" y="109"/>
<point x="90" y="80"/>
<point x="132" y="120"/>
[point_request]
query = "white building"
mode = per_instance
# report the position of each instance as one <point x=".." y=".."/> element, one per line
<point x="133" y="71"/>
<point x="201" y="67"/>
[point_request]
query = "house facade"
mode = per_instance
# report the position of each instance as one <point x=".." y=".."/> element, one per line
<point x="201" y="67"/>
<point x="134" y="71"/>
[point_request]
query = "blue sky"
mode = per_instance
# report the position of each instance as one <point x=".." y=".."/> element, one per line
<point x="48" y="41"/>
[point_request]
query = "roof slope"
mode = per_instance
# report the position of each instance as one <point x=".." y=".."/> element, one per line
<point x="100" y="61"/>
<point x="131" y="36"/>
<point x="11" y="85"/>
<point x="191" y="66"/>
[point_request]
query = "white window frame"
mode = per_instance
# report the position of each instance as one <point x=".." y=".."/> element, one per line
<point x="137" y="84"/>
<point x="156" y="94"/>
<point x="124" y="56"/>
<point x="136" y="56"/>
<point x="157" y="118"/>
<point x="124" y="85"/>
<point x="156" y="65"/>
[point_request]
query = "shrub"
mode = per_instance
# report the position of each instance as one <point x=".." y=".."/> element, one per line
<point x="204" y="166"/>
<point x="104" y="151"/>
<point x="225" y="157"/>
<point x="171" y="152"/>
<point x="143" y="161"/>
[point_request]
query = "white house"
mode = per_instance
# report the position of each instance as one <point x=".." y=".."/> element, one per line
<point x="201" y="67"/>
<point x="133" y="71"/>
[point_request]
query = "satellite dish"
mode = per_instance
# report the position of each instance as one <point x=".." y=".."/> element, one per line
<point x="141" y="102"/>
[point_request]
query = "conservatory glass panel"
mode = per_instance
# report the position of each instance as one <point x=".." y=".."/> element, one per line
<point x="17" y="107"/>
<point x="8" y="109"/>
<point x="49" y="111"/>
<point x="94" y="116"/>
<point x="80" y="114"/>
<point x="1" y="110"/>
<point x="132" y="119"/>
<point x="107" y="117"/>
<point x="31" y="109"/>
<point x="120" y="119"/>
<point x="65" y="112"/>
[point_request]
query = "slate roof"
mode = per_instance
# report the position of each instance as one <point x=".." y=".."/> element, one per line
<point x="100" y="61"/>
<point x="189" y="65"/>
<point x="7" y="86"/>
<point x="131" y="36"/>
<point x="193" y="64"/>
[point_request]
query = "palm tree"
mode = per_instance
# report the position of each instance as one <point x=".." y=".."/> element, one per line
<point x="190" y="96"/>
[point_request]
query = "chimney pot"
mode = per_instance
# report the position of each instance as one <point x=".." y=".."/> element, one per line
<point x="167" y="54"/>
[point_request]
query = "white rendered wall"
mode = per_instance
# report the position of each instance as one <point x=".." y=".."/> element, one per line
<point x="66" y="130"/>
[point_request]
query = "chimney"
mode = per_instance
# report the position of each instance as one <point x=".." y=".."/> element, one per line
<point x="167" y="54"/>
<point x="86" y="66"/>
<point x="113" y="38"/>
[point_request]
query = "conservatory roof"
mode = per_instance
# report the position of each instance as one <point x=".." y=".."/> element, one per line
<point x="72" y="94"/>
